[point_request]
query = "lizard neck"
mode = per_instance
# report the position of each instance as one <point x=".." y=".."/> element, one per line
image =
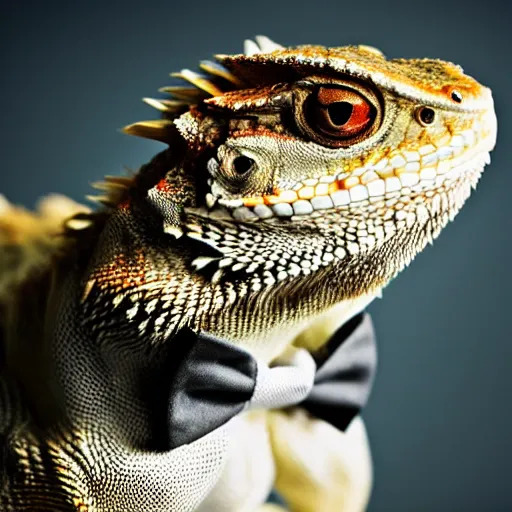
<point x="151" y="290"/>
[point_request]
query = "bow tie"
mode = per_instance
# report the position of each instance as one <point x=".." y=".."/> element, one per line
<point x="216" y="380"/>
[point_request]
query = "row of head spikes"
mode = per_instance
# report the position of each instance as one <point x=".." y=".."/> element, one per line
<point x="214" y="81"/>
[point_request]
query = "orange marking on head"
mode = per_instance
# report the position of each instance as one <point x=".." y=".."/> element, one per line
<point x="162" y="185"/>
<point x="260" y="131"/>
<point x="333" y="187"/>
<point x="424" y="75"/>
<point x="253" y="201"/>
<point x="350" y="182"/>
<point x="280" y="196"/>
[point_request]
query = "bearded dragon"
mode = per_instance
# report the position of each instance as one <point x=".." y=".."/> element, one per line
<point x="297" y="183"/>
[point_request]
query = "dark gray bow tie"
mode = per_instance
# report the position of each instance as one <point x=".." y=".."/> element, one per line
<point x="216" y="380"/>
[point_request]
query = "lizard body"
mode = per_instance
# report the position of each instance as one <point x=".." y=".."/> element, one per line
<point x="296" y="184"/>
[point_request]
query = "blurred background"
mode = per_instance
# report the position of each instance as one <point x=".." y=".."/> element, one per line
<point x="440" y="416"/>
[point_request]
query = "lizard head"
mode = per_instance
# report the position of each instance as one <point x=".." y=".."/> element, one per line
<point x="328" y="157"/>
<point x="343" y="129"/>
<point x="311" y="171"/>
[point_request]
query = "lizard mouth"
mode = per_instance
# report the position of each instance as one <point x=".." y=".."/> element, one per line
<point x="413" y="174"/>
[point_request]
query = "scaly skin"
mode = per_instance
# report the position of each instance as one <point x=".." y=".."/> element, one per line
<point x="298" y="182"/>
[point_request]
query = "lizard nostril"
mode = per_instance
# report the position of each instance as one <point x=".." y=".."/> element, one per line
<point x="457" y="96"/>
<point x="242" y="164"/>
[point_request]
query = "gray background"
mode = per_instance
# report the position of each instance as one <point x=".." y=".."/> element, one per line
<point x="439" y="418"/>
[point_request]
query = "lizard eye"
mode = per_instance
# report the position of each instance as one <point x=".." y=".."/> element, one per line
<point x="339" y="113"/>
<point x="339" y="116"/>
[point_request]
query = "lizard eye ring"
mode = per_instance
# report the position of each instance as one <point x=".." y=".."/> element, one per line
<point x="338" y="114"/>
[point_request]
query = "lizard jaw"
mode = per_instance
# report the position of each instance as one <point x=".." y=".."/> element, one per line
<point x="419" y="173"/>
